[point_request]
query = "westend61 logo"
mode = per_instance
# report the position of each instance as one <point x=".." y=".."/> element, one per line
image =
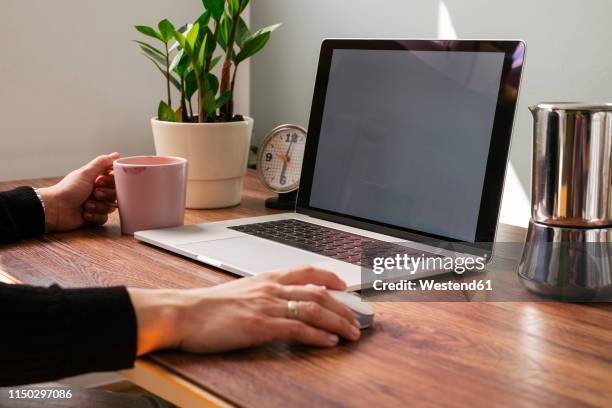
<point x="414" y="264"/>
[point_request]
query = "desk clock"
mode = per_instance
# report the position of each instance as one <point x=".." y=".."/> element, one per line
<point x="279" y="164"/>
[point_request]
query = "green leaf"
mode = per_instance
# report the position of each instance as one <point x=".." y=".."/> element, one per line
<point x="202" y="53"/>
<point x="252" y="46"/>
<point x="232" y="6"/>
<point x="192" y="36"/>
<point x="204" y="19"/>
<point x="165" y="113"/>
<point x="216" y="8"/>
<point x="181" y="30"/>
<point x="210" y="104"/>
<point x="224" y="32"/>
<point x="160" y="59"/>
<point x="211" y="83"/>
<point x="150" y="47"/>
<point x="174" y="46"/>
<point x="211" y="45"/>
<point x="242" y="32"/>
<point x="180" y="39"/>
<point x="255" y="43"/>
<point x="214" y="62"/>
<point x="223" y="99"/>
<point x="191" y="85"/>
<point x="183" y="66"/>
<point x="166" y="30"/>
<point x="268" y="29"/>
<point x="175" y="82"/>
<point x="176" y="61"/>
<point x="245" y="3"/>
<point x="180" y="64"/>
<point x="187" y="45"/>
<point x="149" y="31"/>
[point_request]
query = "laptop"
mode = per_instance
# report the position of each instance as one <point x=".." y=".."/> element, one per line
<point x="407" y="143"/>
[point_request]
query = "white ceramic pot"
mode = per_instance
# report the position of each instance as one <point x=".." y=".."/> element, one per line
<point x="217" y="155"/>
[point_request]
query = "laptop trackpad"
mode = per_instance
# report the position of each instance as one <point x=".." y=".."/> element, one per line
<point x="251" y="254"/>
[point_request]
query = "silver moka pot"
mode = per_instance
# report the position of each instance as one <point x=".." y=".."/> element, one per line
<point x="568" y="252"/>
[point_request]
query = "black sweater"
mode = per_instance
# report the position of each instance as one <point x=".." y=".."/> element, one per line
<point x="50" y="333"/>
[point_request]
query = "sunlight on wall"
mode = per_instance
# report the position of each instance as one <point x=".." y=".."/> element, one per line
<point x="515" y="203"/>
<point x="446" y="29"/>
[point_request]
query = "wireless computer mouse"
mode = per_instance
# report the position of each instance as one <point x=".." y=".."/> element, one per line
<point x="362" y="310"/>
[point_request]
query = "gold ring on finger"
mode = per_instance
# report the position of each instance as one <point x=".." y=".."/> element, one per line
<point x="292" y="309"/>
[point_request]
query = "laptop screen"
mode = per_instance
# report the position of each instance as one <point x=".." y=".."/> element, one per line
<point x="405" y="136"/>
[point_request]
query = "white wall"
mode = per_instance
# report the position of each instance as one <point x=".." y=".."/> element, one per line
<point x="73" y="85"/>
<point x="568" y="56"/>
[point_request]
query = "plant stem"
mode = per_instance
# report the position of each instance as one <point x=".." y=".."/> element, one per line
<point x="201" y="116"/>
<point x="190" y="108"/>
<point x="199" y="82"/>
<point x="201" y="90"/>
<point x="230" y="109"/>
<point x="183" y="104"/>
<point x="168" y="75"/>
<point x="226" y="109"/>
<point x="209" y="58"/>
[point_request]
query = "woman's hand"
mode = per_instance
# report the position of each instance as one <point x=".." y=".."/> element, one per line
<point x="243" y="313"/>
<point x="85" y="196"/>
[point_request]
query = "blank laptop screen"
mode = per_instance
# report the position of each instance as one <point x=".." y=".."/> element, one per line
<point x="405" y="138"/>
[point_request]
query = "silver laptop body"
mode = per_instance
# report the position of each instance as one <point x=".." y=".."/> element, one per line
<point x="407" y="143"/>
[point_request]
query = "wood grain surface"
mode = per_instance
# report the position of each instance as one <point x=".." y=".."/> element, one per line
<point x="417" y="353"/>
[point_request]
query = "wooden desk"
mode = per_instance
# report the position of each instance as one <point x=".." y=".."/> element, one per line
<point x="476" y="354"/>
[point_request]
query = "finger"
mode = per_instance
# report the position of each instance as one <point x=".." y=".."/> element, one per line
<point x="100" y="164"/>
<point x="309" y="274"/>
<point x="105" y="180"/>
<point x="105" y="194"/>
<point x="98" y="207"/>
<point x="320" y="295"/>
<point x="314" y="315"/>
<point x="296" y="331"/>
<point x="95" y="219"/>
<point x="317" y="316"/>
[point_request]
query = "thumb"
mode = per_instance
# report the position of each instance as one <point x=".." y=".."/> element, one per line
<point x="99" y="165"/>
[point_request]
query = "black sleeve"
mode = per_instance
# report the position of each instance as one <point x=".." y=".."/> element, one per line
<point x="21" y="215"/>
<point x="51" y="333"/>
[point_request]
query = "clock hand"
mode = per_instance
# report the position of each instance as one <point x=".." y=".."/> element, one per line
<point x="285" y="159"/>
<point x="285" y="162"/>
<point x="288" y="150"/>
<point x="283" y="170"/>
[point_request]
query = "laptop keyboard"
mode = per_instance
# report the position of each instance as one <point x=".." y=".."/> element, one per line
<point x="326" y="241"/>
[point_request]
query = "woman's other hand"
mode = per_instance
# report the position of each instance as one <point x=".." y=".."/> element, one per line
<point x="246" y="312"/>
<point x="84" y="197"/>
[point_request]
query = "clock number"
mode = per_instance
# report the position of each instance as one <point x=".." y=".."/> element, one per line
<point x="291" y="138"/>
<point x="282" y="180"/>
<point x="268" y="156"/>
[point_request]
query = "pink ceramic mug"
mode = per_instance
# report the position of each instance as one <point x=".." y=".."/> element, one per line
<point x="150" y="192"/>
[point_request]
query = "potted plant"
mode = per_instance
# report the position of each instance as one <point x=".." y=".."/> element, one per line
<point x="206" y="132"/>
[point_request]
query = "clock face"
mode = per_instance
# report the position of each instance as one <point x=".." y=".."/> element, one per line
<point x="279" y="160"/>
